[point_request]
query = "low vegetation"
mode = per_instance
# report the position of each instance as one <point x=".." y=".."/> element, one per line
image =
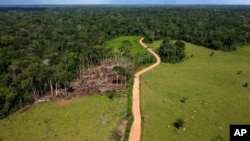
<point x="128" y="49"/>
<point x="206" y="92"/>
<point x="179" y="123"/>
<point x="77" y="119"/>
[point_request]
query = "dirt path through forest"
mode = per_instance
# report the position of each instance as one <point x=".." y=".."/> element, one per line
<point x="135" y="133"/>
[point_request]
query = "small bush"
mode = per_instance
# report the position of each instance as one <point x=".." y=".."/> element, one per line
<point x="211" y="54"/>
<point x="245" y="85"/>
<point x="179" y="123"/>
<point x="115" y="135"/>
<point x="192" y="55"/>
<point x="111" y="96"/>
<point x="239" y="72"/>
<point x="183" y="100"/>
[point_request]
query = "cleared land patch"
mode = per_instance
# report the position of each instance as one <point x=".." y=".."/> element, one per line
<point x="86" y="118"/>
<point x="205" y="91"/>
<point x="91" y="117"/>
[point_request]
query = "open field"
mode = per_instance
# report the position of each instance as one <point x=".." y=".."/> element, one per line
<point x="138" y="56"/>
<point x="215" y="97"/>
<point x="134" y="49"/>
<point x="90" y="118"/>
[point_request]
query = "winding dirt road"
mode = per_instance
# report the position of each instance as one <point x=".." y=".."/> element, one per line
<point x="135" y="133"/>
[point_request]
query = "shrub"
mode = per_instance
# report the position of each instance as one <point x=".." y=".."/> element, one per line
<point x="245" y="85"/>
<point x="179" y="123"/>
<point x="239" y="72"/>
<point x="170" y="52"/>
<point x="211" y="54"/>
<point x="183" y="100"/>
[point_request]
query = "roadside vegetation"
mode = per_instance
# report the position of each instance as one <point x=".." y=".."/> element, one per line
<point x="196" y="99"/>
<point x="130" y="52"/>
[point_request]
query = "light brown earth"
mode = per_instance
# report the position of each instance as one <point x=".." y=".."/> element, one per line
<point x="135" y="132"/>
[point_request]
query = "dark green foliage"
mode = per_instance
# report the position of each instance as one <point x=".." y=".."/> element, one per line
<point x="245" y="85"/>
<point x="40" y="47"/>
<point x="170" y="52"/>
<point x="183" y="100"/>
<point x="239" y="72"/>
<point x="211" y="54"/>
<point x="111" y="95"/>
<point x="36" y="54"/>
<point x="179" y="123"/>
<point x="129" y="116"/>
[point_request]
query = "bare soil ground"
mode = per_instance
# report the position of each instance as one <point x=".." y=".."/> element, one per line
<point x="99" y="79"/>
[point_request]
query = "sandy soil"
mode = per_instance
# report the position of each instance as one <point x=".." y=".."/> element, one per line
<point x="135" y="133"/>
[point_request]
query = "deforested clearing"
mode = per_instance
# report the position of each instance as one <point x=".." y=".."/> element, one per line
<point x="207" y="92"/>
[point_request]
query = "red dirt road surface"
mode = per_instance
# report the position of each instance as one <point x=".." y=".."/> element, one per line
<point x="135" y="132"/>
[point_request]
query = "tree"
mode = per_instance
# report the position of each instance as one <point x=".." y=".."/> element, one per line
<point x="180" y="48"/>
<point x="172" y="53"/>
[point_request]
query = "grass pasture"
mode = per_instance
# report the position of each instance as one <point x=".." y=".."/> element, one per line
<point x="90" y="118"/>
<point x="116" y="43"/>
<point x="138" y="56"/>
<point x="215" y="97"/>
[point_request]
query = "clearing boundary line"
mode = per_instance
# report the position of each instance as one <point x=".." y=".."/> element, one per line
<point x="135" y="132"/>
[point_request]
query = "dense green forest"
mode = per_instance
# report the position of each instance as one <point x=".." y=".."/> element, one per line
<point x="42" y="48"/>
<point x="171" y="52"/>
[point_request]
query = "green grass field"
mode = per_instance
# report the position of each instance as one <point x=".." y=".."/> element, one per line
<point x="89" y="118"/>
<point x="138" y="56"/>
<point x="215" y="97"/>
<point x="136" y="48"/>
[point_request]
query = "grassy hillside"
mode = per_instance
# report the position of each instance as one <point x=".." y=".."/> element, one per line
<point x="215" y="97"/>
<point x="90" y="118"/>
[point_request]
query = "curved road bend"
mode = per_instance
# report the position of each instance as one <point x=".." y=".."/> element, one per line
<point x="135" y="132"/>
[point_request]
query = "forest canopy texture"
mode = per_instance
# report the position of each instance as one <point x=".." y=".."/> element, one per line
<point x="172" y="52"/>
<point x="44" y="47"/>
